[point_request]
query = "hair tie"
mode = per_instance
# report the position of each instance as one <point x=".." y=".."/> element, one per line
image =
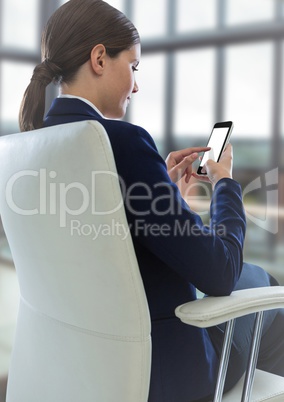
<point x="52" y="68"/>
<point x="46" y="72"/>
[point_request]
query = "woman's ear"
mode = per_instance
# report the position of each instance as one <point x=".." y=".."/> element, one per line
<point x="98" y="59"/>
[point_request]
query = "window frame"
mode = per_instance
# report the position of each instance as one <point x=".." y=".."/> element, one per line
<point x="26" y="56"/>
<point x="219" y="38"/>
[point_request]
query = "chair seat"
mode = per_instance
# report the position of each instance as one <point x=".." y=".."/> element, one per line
<point x="267" y="387"/>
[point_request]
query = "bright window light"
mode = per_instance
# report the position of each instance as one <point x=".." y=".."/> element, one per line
<point x="147" y="106"/>
<point x="20" y="24"/>
<point x="15" y="79"/>
<point x="194" y="15"/>
<point x="248" y="89"/>
<point x="194" y="92"/>
<point x="150" y="17"/>
<point x="245" y="11"/>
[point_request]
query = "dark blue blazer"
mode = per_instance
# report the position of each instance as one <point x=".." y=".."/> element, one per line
<point x="175" y="251"/>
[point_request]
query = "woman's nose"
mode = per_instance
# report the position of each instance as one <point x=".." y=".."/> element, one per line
<point x="135" y="88"/>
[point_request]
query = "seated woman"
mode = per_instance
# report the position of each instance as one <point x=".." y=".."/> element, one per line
<point x="91" y="50"/>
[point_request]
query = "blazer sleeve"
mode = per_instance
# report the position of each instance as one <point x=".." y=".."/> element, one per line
<point x="208" y="256"/>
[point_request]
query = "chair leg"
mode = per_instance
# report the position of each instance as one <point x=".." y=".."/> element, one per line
<point x="254" y="349"/>
<point x="226" y="349"/>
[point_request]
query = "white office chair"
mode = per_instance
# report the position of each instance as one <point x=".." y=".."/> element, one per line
<point x="83" y="330"/>
<point x="255" y="385"/>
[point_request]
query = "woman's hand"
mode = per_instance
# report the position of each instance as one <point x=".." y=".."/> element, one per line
<point x="218" y="170"/>
<point x="179" y="163"/>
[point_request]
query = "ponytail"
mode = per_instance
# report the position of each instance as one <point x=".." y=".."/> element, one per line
<point x="33" y="103"/>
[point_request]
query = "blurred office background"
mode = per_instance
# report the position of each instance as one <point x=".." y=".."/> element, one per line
<point x="202" y="61"/>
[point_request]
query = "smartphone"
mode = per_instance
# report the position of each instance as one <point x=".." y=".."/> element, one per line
<point x="218" y="140"/>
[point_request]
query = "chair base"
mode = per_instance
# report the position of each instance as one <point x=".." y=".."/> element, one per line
<point x="267" y="387"/>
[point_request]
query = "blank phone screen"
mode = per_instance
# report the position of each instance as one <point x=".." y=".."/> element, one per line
<point x="216" y="143"/>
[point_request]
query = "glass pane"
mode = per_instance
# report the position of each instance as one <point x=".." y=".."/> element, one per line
<point x="147" y="106"/>
<point x="248" y="102"/>
<point x="119" y="4"/>
<point x="194" y="15"/>
<point x="194" y="94"/>
<point x="248" y="89"/>
<point x="282" y="103"/>
<point x="242" y="11"/>
<point x="15" y="78"/>
<point x="150" y="17"/>
<point x="20" y="24"/>
<point x="282" y="112"/>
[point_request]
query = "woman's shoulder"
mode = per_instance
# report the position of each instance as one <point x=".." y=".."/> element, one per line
<point x="124" y="131"/>
<point x="123" y="128"/>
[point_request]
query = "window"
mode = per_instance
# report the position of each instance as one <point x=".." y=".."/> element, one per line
<point x="147" y="106"/>
<point x="281" y="107"/>
<point x="119" y="4"/>
<point x="202" y="61"/>
<point x="150" y="17"/>
<point x="194" y="92"/>
<point x="19" y="53"/>
<point x="243" y="11"/>
<point x="248" y="103"/>
<point x="195" y="15"/>
<point x="15" y="78"/>
<point x="248" y="94"/>
<point x="16" y="32"/>
<point x="214" y="74"/>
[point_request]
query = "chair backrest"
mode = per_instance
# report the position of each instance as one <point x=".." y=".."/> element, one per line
<point x="83" y="330"/>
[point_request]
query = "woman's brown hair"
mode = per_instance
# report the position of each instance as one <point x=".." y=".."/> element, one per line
<point x="69" y="36"/>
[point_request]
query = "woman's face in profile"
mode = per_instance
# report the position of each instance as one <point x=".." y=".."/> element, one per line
<point x="120" y="82"/>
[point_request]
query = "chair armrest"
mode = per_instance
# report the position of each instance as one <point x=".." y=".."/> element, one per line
<point x="210" y="310"/>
